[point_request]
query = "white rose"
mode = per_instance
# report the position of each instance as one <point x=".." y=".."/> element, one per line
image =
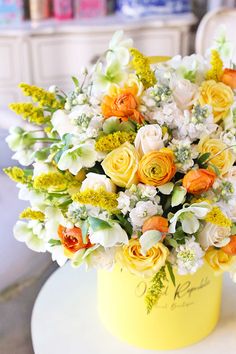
<point x="149" y="138"/>
<point x="184" y="93"/>
<point x="95" y="181"/>
<point x="214" y="235"/>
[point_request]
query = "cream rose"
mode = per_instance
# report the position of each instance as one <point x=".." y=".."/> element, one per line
<point x="219" y="260"/>
<point x="184" y="93"/>
<point x="96" y="181"/>
<point x="149" y="138"/>
<point x="214" y="235"/>
<point x="131" y="258"/>
<point x="121" y="165"/>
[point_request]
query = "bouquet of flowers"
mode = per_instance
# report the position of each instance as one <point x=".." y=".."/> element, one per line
<point x="135" y="166"/>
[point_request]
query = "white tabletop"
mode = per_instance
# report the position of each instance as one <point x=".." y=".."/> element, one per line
<point x="65" y="320"/>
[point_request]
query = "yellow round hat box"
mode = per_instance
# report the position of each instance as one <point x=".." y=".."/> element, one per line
<point x="185" y="313"/>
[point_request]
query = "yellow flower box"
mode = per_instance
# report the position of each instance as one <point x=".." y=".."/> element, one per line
<point x="185" y="314"/>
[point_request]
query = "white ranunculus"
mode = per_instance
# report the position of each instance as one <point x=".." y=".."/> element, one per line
<point x="184" y="93"/>
<point x="149" y="138"/>
<point x="61" y="123"/>
<point x="214" y="235"/>
<point x="74" y="159"/>
<point x="101" y="258"/>
<point x="109" y="237"/>
<point x="30" y="233"/>
<point x="95" y="181"/>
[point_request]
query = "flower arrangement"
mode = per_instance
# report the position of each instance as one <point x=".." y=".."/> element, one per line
<point x="135" y="166"/>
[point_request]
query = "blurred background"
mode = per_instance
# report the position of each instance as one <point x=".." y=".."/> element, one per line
<point x="45" y="42"/>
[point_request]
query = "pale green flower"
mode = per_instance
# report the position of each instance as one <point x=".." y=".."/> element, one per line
<point x="109" y="236"/>
<point x="149" y="239"/>
<point x="32" y="233"/>
<point x="119" y="48"/>
<point x="19" y="139"/>
<point x="76" y="158"/>
<point x="113" y="74"/>
<point x="189" y="217"/>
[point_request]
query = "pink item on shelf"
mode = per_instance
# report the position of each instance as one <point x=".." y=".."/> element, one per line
<point x="90" y="8"/>
<point x="62" y="9"/>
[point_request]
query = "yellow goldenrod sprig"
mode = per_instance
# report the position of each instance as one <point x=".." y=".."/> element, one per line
<point x="141" y="65"/>
<point x="31" y="214"/>
<point x="29" y="112"/>
<point x="112" y="141"/>
<point x="216" y="70"/>
<point x="154" y="292"/>
<point x="55" y="181"/>
<point x="43" y="97"/>
<point x="98" y="198"/>
<point x="217" y="217"/>
<point x="18" y="175"/>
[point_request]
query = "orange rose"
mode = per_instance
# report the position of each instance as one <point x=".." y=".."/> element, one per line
<point x="156" y="223"/>
<point x="72" y="239"/>
<point x="198" y="181"/>
<point x="123" y="104"/>
<point x="230" y="248"/>
<point x="229" y="78"/>
<point x="156" y="168"/>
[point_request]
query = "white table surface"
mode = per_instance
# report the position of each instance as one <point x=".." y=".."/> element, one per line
<point x="65" y="320"/>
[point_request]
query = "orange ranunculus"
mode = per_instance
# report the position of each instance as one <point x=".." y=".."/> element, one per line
<point x="156" y="168"/>
<point x="72" y="240"/>
<point x="229" y="78"/>
<point x="198" y="181"/>
<point x="123" y="104"/>
<point x="156" y="222"/>
<point x="230" y="248"/>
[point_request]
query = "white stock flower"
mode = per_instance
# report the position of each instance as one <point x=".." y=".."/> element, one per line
<point x="189" y="257"/>
<point x="74" y="159"/>
<point x="110" y="236"/>
<point x="149" y="138"/>
<point x="32" y="233"/>
<point x="119" y="48"/>
<point x="61" y="123"/>
<point x="214" y="235"/>
<point x="123" y="203"/>
<point x="149" y="192"/>
<point x="142" y="211"/>
<point x="96" y="181"/>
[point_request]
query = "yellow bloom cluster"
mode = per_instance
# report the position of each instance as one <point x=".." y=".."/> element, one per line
<point x="28" y="213"/>
<point x="29" y="112"/>
<point x="156" y="289"/>
<point x="141" y="65"/>
<point x="18" y="175"/>
<point x="55" y="181"/>
<point x="43" y="97"/>
<point x="98" y="198"/>
<point x="215" y="216"/>
<point x="216" y="70"/>
<point x="112" y="141"/>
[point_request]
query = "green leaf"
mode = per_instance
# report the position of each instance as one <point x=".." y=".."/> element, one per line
<point x="125" y="224"/>
<point x="203" y="158"/>
<point x="53" y="242"/>
<point x="84" y="229"/>
<point x="170" y="270"/>
<point x="75" y="80"/>
<point x="233" y="229"/>
<point x="215" y="168"/>
<point x="98" y="224"/>
<point x="172" y="242"/>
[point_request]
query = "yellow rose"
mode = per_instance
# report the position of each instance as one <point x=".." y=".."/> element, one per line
<point x="224" y="160"/>
<point x="121" y="165"/>
<point x="131" y="258"/>
<point x="219" y="260"/>
<point x="217" y="95"/>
